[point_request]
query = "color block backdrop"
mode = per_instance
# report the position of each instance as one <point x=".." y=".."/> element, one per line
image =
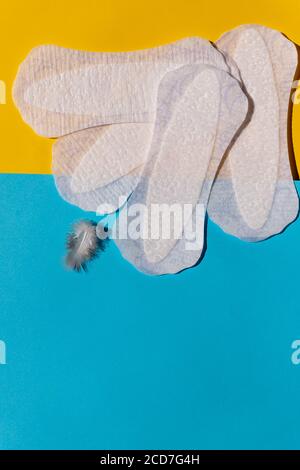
<point x="117" y="359"/>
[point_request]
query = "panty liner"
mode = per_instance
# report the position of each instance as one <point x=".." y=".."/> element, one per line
<point x="199" y="110"/>
<point x="254" y="196"/>
<point x="106" y="162"/>
<point x="59" y="91"/>
<point x="97" y="154"/>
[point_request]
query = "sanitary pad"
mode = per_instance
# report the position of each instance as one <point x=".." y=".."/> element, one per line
<point x="102" y="165"/>
<point x="177" y="129"/>
<point x="98" y="168"/>
<point x="254" y="196"/>
<point x="199" y="111"/>
<point x="59" y="91"/>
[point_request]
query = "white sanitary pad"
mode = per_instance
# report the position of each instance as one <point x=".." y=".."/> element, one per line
<point x="102" y="165"/>
<point x="59" y="91"/>
<point x="98" y="168"/>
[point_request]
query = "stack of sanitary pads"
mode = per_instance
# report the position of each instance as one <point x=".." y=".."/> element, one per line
<point x="167" y="135"/>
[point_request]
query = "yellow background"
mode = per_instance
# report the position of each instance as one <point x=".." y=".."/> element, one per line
<point x="114" y="25"/>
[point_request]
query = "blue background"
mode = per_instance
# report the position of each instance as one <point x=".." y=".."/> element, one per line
<point x="117" y="359"/>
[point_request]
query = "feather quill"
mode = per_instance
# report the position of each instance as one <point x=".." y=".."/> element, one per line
<point x="83" y="245"/>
